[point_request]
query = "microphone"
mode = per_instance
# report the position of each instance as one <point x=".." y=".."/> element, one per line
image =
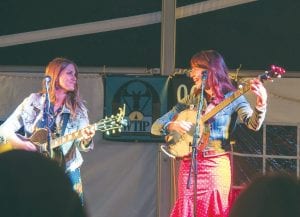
<point x="204" y="78"/>
<point x="204" y="75"/>
<point x="47" y="79"/>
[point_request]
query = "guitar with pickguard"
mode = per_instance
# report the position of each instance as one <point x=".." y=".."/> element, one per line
<point x="178" y="146"/>
<point x="108" y="125"/>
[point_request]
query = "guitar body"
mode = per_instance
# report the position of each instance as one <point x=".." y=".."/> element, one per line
<point x="39" y="139"/>
<point x="181" y="145"/>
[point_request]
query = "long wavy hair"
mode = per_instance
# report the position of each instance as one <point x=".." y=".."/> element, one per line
<point x="217" y="78"/>
<point x="73" y="100"/>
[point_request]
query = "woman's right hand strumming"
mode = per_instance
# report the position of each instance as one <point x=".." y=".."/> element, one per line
<point x="180" y="126"/>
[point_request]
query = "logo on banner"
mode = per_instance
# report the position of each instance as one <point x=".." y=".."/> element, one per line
<point x="144" y="100"/>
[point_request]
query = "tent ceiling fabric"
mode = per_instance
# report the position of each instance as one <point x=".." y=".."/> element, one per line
<point x="254" y="34"/>
<point x="114" y="24"/>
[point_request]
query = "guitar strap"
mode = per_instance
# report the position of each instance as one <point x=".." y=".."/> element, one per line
<point x="72" y="151"/>
<point x="58" y="154"/>
<point x="65" y="117"/>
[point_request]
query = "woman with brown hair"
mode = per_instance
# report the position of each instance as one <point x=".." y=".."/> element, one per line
<point x="212" y="85"/>
<point x="65" y="114"/>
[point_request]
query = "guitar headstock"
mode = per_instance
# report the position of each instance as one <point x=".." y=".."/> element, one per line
<point x="114" y="123"/>
<point x="274" y="72"/>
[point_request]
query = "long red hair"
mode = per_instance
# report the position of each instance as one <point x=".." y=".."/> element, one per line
<point x="217" y="78"/>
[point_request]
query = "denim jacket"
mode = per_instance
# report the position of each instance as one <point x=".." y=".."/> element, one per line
<point x="219" y="125"/>
<point x="30" y="111"/>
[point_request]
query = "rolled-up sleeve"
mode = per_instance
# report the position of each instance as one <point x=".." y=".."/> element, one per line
<point x="84" y="122"/>
<point x="252" y="118"/>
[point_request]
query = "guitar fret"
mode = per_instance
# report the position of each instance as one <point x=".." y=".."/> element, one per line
<point x="106" y="124"/>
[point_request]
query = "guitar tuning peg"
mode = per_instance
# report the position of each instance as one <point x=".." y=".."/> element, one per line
<point x="107" y="133"/>
<point x="113" y="131"/>
<point x="273" y="67"/>
<point x="281" y="70"/>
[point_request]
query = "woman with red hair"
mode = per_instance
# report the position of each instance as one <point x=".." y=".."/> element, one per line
<point x="213" y="166"/>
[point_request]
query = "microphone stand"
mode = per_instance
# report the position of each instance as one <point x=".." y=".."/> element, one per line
<point x="196" y="139"/>
<point x="46" y="116"/>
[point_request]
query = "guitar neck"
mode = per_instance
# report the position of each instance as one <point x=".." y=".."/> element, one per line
<point x="104" y="125"/>
<point x="225" y="102"/>
<point x="69" y="137"/>
<point x="109" y="125"/>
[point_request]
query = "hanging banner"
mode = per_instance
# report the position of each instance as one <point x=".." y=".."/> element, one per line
<point x="145" y="99"/>
<point x="179" y="87"/>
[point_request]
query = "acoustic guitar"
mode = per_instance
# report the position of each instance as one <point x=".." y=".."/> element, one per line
<point x="108" y="125"/>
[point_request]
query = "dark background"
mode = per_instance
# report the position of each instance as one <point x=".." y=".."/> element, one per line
<point x="255" y="34"/>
